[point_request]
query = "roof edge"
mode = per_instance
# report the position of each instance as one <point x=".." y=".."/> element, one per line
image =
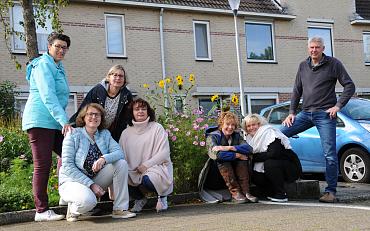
<point x="191" y="8"/>
<point x="360" y="22"/>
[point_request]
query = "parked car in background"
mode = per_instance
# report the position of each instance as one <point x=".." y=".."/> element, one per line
<point x="353" y="140"/>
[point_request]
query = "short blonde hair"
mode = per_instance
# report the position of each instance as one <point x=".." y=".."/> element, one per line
<point x="113" y="69"/>
<point x="227" y="116"/>
<point x="80" y="120"/>
<point x="253" y="118"/>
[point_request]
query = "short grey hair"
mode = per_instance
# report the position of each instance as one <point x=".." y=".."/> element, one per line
<point x="316" y="39"/>
<point x="253" y="118"/>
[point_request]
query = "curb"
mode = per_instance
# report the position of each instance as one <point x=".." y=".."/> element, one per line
<point x="29" y="215"/>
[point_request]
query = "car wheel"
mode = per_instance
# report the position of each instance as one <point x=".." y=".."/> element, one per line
<point x="355" y="165"/>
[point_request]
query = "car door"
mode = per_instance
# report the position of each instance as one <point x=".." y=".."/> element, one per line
<point x="306" y="144"/>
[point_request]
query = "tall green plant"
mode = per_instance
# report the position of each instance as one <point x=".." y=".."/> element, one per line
<point x="7" y="100"/>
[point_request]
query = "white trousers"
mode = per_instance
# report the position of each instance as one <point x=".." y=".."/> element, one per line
<point x="83" y="199"/>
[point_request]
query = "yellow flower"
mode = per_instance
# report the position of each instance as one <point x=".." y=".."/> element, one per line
<point x="192" y="78"/>
<point x="170" y="90"/>
<point x="214" y="97"/>
<point x="179" y="78"/>
<point x="145" y="85"/>
<point x="168" y="80"/>
<point x="235" y="100"/>
<point x="161" y="83"/>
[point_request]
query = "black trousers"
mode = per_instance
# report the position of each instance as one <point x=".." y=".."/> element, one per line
<point x="277" y="172"/>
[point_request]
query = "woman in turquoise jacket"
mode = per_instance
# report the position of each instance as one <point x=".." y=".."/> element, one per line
<point x="45" y="118"/>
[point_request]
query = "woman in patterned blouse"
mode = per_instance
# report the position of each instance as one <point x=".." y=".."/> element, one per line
<point x="91" y="161"/>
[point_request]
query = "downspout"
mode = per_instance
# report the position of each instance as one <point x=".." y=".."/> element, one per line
<point x="162" y="58"/>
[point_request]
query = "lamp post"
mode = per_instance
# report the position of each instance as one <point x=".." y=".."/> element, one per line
<point x="234" y="5"/>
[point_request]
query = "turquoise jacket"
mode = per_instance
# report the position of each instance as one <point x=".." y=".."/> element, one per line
<point x="49" y="93"/>
<point x="75" y="148"/>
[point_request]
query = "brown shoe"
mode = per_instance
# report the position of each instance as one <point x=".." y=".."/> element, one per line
<point x="251" y="198"/>
<point x="328" y="197"/>
<point x="238" y="198"/>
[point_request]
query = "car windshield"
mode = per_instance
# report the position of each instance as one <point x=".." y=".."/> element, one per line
<point x="358" y="109"/>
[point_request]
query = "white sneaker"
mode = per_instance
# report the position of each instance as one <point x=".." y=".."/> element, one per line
<point x="70" y="216"/>
<point x="122" y="214"/>
<point x="162" y="204"/>
<point x="48" y="215"/>
<point x="139" y="205"/>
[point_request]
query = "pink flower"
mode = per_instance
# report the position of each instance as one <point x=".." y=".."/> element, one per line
<point x="205" y="126"/>
<point x="173" y="138"/>
<point x="196" y="137"/>
<point x="195" y="142"/>
<point x="196" y="127"/>
<point x="199" y="120"/>
<point x="175" y="129"/>
<point x="202" y="143"/>
<point x="188" y="133"/>
<point x="1" y="138"/>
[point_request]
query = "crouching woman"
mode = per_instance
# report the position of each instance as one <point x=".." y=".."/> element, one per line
<point x="227" y="166"/>
<point x="91" y="161"/>
<point x="274" y="161"/>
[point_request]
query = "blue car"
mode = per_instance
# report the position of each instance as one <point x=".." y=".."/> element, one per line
<point x="353" y="140"/>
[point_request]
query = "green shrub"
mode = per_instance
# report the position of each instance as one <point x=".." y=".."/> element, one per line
<point x="13" y="143"/>
<point x="16" y="187"/>
<point x="7" y="100"/>
<point x="186" y="134"/>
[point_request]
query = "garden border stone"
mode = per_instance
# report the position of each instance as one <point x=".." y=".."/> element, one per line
<point x="301" y="189"/>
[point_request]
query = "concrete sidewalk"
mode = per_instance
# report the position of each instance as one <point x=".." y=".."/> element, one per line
<point x="304" y="190"/>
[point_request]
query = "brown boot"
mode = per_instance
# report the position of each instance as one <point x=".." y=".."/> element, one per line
<point x="242" y="174"/>
<point x="227" y="172"/>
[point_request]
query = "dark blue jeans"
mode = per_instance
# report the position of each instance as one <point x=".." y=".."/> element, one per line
<point x="136" y="193"/>
<point x="327" y="130"/>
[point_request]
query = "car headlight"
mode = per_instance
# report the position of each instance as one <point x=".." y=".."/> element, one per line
<point x="366" y="126"/>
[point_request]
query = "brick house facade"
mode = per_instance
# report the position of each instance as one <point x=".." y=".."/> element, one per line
<point x="283" y="27"/>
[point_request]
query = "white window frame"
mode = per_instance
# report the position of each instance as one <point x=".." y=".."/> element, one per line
<point x="271" y="24"/>
<point x="367" y="33"/>
<point x="208" y="41"/>
<point x="124" y="55"/>
<point x="23" y="96"/>
<point x="318" y="25"/>
<point x="251" y="97"/>
<point x="48" y="30"/>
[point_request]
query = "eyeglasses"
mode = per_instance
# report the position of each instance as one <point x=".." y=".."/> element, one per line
<point x="93" y="114"/>
<point x="59" y="47"/>
<point x="117" y="75"/>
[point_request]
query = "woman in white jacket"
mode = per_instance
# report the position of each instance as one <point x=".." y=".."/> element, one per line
<point x="91" y="161"/>
<point x="147" y="151"/>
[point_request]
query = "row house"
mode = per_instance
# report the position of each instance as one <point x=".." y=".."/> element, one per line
<point x="154" y="39"/>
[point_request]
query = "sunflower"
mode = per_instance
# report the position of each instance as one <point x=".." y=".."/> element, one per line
<point x="235" y="100"/>
<point x="168" y="80"/>
<point x="161" y="83"/>
<point x="192" y="78"/>
<point x="145" y="85"/>
<point x="214" y="97"/>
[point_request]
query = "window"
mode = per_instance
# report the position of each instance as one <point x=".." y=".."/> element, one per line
<point x="260" y="42"/>
<point x="205" y="104"/>
<point x="366" y="39"/>
<point x="257" y="102"/>
<point x="326" y="33"/>
<point x="202" y="44"/>
<point x="115" y="35"/>
<point x="18" y="44"/>
<point x="179" y="105"/>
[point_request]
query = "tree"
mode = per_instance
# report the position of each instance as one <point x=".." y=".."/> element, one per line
<point x="34" y="11"/>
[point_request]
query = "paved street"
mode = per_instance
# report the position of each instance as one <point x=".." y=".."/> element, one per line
<point x="261" y="216"/>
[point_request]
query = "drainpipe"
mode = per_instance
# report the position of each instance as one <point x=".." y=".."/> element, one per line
<point x="162" y="58"/>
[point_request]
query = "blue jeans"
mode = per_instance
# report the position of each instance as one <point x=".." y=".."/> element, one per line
<point x="136" y="193"/>
<point x="327" y="130"/>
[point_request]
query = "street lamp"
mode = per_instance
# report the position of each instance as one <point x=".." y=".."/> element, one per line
<point x="234" y="5"/>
